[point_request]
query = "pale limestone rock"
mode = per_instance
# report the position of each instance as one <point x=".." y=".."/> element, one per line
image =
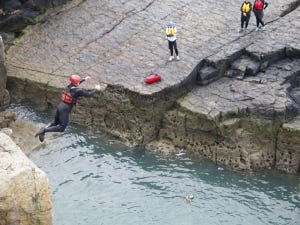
<point x="25" y="194"/>
<point x="23" y="135"/>
<point x="21" y="131"/>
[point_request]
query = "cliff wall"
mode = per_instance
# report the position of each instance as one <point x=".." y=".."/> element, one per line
<point x="228" y="99"/>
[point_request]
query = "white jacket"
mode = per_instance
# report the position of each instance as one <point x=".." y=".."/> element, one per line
<point x="171" y="38"/>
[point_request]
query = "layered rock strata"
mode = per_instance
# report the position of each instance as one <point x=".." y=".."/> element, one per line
<point x="240" y="119"/>
<point x="228" y="99"/>
<point x="240" y="123"/>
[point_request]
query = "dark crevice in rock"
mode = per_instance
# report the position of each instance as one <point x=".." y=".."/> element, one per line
<point x="291" y="7"/>
<point x="147" y="6"/>
<point x="18" y="20"/>
<point x="114" y="27"/>
<point x="209" y="71"/>
<point x="241" y="64"/>
<point x="267" y="59"/>
<point x="292" y="53"/>
<point x="243" y="67"/>
<point x="16" y="15"/>
<point x="275" y="145"/>
<point x="294" y="80"/>
<point x="127" y="15"/>
<point x="206" y="72"/>
<point x="39" y="71"/>
<point x="293" y="91"/>
<point x="71" y="8"/>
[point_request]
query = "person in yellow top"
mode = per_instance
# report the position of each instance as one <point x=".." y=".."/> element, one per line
<point x="171" y="36"/>
<point x="245" y="14"/>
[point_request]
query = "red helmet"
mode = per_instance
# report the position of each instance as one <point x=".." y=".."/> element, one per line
<point x="75" y="79"/>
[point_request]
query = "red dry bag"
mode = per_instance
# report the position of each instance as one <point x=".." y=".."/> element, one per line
<point x="153" y="78"/>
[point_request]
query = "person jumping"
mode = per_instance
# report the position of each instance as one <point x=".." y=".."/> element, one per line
<point x="69" y="98"/>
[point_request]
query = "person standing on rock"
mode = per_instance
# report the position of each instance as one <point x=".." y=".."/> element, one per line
<point x="69" y="98"/>
<point x="171" y="36"/>
<point x="258" y="9"/>
<point x="245" y="14"/>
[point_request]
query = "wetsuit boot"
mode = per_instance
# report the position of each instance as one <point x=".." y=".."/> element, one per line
<point x="41" y="134"/>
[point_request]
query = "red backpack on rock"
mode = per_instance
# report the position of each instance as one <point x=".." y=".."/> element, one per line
<point x="258" y="5"/>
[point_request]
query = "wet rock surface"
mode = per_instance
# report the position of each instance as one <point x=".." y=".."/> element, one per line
<point x="238" y="88"/>
<point x="15" y="15"/>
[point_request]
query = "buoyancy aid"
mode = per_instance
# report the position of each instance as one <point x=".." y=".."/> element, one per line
<point x="246" y="7"/>
<point x="67" y="97"/>
<point x="170" y="31"/>
<point x="258" y="5"/>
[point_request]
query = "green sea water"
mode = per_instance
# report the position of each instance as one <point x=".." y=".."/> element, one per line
<point x="96" y="180"/>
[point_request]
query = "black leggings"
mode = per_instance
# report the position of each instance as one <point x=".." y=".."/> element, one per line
<point x="259" y="16"/>
<point x="173" y="44"/>
<point x="61" y="119"/>
<point x="245" y="20"/>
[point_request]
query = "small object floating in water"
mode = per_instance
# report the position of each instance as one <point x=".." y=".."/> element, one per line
<point x="153" y="78"/>
<point x="179" y="154"/>
<point x="188" y="197"/>
<point x="220" y="168"/>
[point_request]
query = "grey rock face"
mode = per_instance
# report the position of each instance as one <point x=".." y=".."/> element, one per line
<point x="238" y="122"/>
<point x="17" y="14"/>
<point x="226" y="99"/>
<point x="4" y="95"/>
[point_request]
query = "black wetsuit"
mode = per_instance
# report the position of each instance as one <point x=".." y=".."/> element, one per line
<point x="245" y="19"/>
<point x="63" y="110"/>
<point x="259" y="13"/>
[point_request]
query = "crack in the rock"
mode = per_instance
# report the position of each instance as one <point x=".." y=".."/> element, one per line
<point x="73" y="7"/>
<point x="147" y="6"/>
<point x="33" y="70"/>
<point x="127" y="15"/>
<point x="292" y="6"/>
